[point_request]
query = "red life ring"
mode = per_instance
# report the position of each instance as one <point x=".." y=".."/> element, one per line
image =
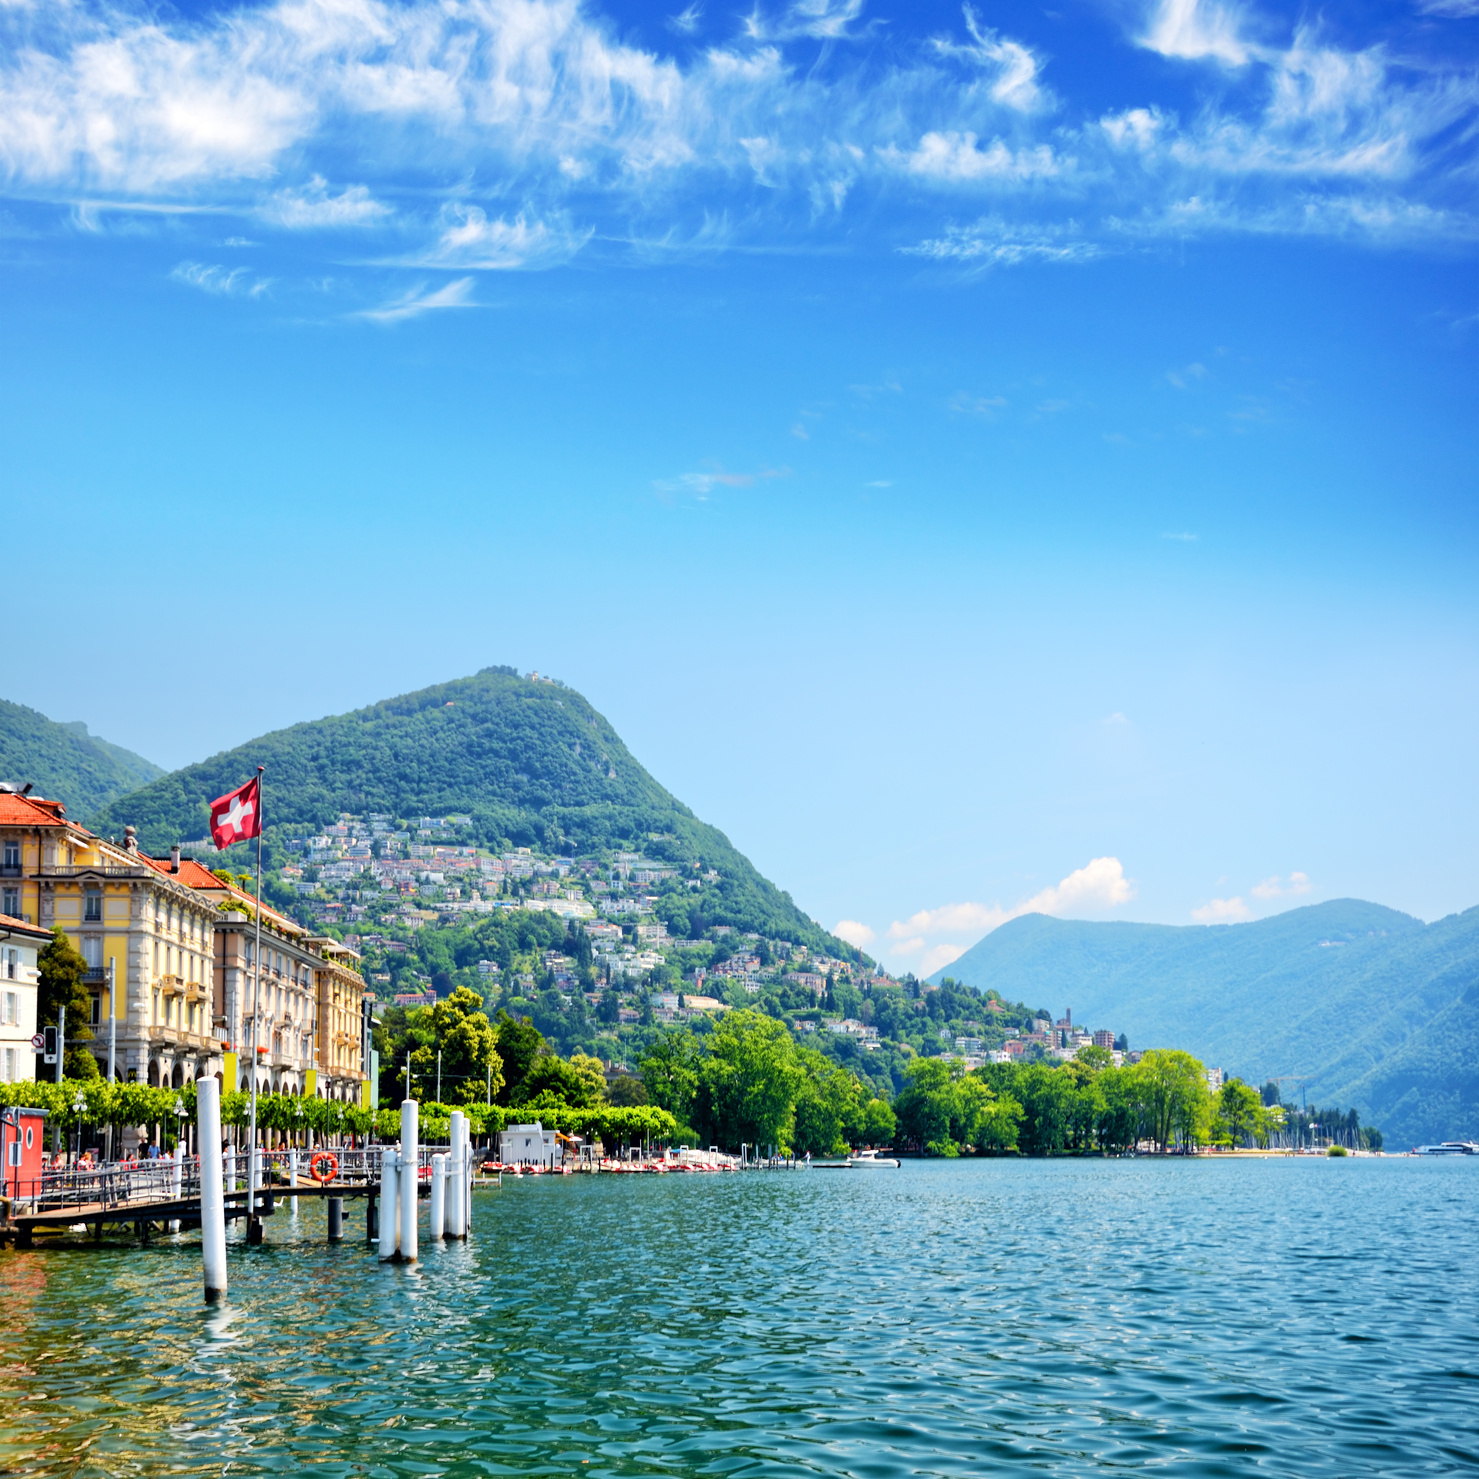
<point x="323" y="1167"/>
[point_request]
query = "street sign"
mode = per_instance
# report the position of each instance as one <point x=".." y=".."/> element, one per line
<point x="38" y="1042"/>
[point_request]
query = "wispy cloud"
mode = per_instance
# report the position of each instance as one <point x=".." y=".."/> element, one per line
<point x="699" y="485"/>
<point x="778" y="128"/>
<point x="1179" y="537"/>
<point x="420" y="299"/>
<point x="225" y="282"/>
<point x="314" y="206"/>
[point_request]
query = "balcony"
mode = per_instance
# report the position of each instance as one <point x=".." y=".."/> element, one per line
<point x="10" y="870"/>
<point x="97" y="870"/>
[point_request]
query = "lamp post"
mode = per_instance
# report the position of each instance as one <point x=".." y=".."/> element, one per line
<point x="179" y="1113"/>
<point x="79" y="1108"/>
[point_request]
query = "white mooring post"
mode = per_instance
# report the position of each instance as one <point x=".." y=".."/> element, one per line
<point x="179" y="1180"/>
<point x="212" y="1196"/>
<point x="228" y="1160"/>
<point x="457" y="1189"/>
<point x="410" y="1174"/>
<point x="436" y="1227"/>
<point x="390" y="1221"/>
<point x="293" y="1176"/>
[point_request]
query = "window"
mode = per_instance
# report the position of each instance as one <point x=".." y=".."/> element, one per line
<point x="12" y="965"/>
<point x="12" y="902"/>
<point x="12" y="855"/>
<point x="97" y="1010"/>
<point x="94" y="905"/>
<point x="92" y="952"/>
<point x="9" y="1009"/>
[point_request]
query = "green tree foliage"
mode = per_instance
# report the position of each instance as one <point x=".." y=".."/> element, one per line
<point x="66" y="763"/>
<point x="520" y="1044"/>
<point x="1240" y="1113"/>
<point x="670" y="1072"/>
<point x="942" y="1110"/>
<point x="458" y="1029"/>
<point x="578" y="1082"/>
<point x="59" y="967"/>
<point x="748" y="1082"/>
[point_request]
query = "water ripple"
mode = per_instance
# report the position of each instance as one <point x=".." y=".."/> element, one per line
<point x="1301" y="1318"/>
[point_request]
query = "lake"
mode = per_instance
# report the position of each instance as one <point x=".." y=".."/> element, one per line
<point x="1287" y="1317"/>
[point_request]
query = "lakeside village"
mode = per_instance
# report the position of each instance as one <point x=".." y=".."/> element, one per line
<point x="599" y="1000"/>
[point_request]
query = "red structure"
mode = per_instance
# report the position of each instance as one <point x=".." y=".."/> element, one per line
<point x="20" y="1147"/>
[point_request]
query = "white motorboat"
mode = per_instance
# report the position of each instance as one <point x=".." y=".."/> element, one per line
<point x="1450" y="1147"/>
<point x="864" y="1159"/>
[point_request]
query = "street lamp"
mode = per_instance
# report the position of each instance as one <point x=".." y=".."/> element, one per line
<point x="79" y="1108"/>
<point x="179" y="1118"/>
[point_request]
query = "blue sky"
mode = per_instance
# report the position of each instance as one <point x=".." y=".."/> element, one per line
<point x="982" y="458"/>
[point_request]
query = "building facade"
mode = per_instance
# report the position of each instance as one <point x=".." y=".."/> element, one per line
<point x="19" y="944"/>
<point x="145" y="936"/>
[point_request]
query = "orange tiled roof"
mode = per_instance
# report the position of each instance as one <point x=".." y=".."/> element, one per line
<point x="13" y="926"/>
<point x="191" y="874"/>
<point x="34" y="811"/>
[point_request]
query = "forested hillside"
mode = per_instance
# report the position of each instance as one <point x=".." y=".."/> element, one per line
<point x="530" y="761"/>
<point x="1367" y="1005"/>
<point x="65" y="762"/>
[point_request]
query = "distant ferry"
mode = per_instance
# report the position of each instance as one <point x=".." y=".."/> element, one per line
<point x="1449" y="1147"/>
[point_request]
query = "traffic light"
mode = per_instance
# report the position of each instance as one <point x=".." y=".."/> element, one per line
<point x="48" y="1053"/>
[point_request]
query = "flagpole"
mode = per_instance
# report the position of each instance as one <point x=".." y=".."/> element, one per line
<point x="256" y="1016"/>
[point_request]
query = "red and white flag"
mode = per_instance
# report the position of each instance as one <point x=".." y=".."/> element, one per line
<point x="237" y="815"/>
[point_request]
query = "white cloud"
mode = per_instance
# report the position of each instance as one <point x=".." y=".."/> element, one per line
<point x="470" y="239"/>
<point x="993" y="243"/>
<point x="253" y="109"/>
<point x="1458" y="9"/>
<point x="1194" y="29"/>
<point x="1277" y="888"/>
<point x="1180" y="538"/>
<point x="700" y="484"/>
<point x="1097" y="887"/>
<point x="1016" y="68"/>
<point x="1184" y="378"/>
<point x="686" y="22"/>
<point x="958" y="157"/>
<point x="419" y="300"/>
<point x="977" y="405"/>
<point x="854" y="932"/>
<point x="221" y="281"/>
<point x="311" y="206"/>
<point x="1222" y="911"/>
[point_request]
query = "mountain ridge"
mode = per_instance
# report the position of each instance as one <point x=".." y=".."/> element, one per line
<point x="531" y="761"/>
<point x="1367" y="1005"/>
<point x="66" y="762"/>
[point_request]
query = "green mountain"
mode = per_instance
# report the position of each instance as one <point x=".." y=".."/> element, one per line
<point x="65" y="762"/>
<point x="1371" y="1007"/>
<point x="529" y="760"/>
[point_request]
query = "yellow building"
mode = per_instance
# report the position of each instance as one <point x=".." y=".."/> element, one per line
<point x="170" y="952"/>
<point x="147" y="939"/>
<point x="307" y="998"/>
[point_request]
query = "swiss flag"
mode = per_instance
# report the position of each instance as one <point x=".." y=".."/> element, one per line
<point x="237" y="815"/>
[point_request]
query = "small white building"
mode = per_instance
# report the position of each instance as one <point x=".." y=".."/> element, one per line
<point x="19" y="943"/>
<point x="528" y="1145"/>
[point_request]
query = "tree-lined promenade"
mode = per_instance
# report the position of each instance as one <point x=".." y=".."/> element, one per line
<point x="742" y="1081"/>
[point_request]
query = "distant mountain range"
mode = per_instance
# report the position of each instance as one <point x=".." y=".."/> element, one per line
<point x="65" y="762"/>
<point x="529" y="760"/>
<point x="1369" y="1006"/>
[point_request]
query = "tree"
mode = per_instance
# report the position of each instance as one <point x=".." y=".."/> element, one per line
<point x="670" y="1072"/>
<point x="461" y="1032"/>
<point x="1174" y="1096"/>
<point x="519" y="1044"/>
<point x="748" y="1082"/>
<point x="59" y="968"/>
<point x="1240" y="1108"/>
<point x="927" y="1103"/>
<point x="879" y="1123"/>
<point x="625" y="1091"/>
<point x="578" y="1082"/>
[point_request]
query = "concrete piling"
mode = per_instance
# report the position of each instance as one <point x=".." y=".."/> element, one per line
<point x="390" y="1196"/>
<point x="336" y="1219"/>
<point x="437" y="1222"/>
<point x="212" y="1195"/>
<point x="410" y="1174"/>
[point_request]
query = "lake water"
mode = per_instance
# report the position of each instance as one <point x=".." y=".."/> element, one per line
<point x="1288" y="1317"/>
